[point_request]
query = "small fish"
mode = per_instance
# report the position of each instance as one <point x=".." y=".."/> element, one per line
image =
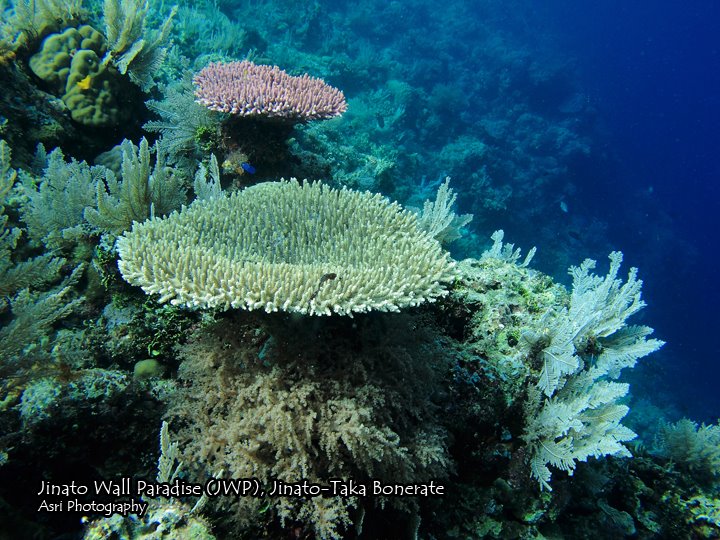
<point x="327" y="277"/>
<point x="247" y="168"/>
<point x="323" y="279"/>
<point x="564" y="206"/>
<point x="85" y="83"/>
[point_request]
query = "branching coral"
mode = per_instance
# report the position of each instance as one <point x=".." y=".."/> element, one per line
<point x="288" y="246"/>
<point x="247" y="89"/>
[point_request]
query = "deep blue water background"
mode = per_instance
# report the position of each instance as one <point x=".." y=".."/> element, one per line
<point x="653" y="72"/>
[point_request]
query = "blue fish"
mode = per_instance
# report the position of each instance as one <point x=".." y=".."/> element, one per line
<point x="248" y="168"/>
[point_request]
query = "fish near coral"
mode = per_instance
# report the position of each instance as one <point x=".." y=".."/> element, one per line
<point x="85" y="83"/>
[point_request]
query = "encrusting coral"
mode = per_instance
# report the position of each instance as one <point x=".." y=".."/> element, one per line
<point x="287" y="246"/>
<point x="83" y="66"/>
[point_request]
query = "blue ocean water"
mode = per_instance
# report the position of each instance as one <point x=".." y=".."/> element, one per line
<point x="643" y="78"/>
<point x="653" y="69"/>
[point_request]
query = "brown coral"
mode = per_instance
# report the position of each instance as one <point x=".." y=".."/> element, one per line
<point x="268" y="401"/>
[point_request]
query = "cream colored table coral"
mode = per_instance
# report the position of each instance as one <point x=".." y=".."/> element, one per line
<point x="304" y="248"/>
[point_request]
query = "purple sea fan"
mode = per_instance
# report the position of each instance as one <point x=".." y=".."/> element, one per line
<point x="251" y="90"/>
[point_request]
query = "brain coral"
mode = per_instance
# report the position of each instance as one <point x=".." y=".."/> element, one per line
<point x="287" y="246"/>
<point x="247" y="89"/>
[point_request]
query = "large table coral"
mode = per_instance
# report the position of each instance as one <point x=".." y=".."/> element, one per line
<point x="287" y="246"/>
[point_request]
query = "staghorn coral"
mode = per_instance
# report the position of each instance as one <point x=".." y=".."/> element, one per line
<point x="287" y="246"/>
<point x="246" y="89"/>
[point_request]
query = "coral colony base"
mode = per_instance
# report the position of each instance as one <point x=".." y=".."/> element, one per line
<point x="315" y="361"/>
